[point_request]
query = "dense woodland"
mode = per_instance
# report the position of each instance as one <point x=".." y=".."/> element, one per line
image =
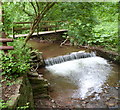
<point x="88" y="23"/>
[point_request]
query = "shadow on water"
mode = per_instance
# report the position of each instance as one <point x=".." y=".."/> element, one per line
<point x="83" y="83"/>
<point x="52" y="49"/>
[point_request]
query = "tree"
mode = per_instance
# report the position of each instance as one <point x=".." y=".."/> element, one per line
<point x="40" y="10"/>
<point x="0" y="18"/>
<point x="88" y="23"/>
<point x="119" y="30"/>
<point x="2" y="31"/>
<point x="81" y="20"/>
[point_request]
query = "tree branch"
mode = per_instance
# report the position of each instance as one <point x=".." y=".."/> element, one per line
<point x="38" y="7"/>
<point x="38" y="19"/>
<point x="47" y="8"/>
<point x="41" y="15"/>
<point x="33" y="7"/>
<point x="29" y="14"/>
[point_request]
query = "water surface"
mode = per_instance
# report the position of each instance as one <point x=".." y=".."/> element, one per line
<point x="72" y="81"/>
<point x="52" y="49"/>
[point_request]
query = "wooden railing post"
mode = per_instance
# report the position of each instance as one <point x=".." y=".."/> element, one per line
<point x="13" y="32"/>
<point x="42" y="25"/>
<point x="4" y="43"/>
<point x="55" y="26"/>
<point x="38" y="30"/>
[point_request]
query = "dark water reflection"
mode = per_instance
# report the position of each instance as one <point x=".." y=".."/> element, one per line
<point x="52" y="49"/>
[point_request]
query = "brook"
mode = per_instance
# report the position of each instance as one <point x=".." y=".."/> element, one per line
<point x="79" y="82"/>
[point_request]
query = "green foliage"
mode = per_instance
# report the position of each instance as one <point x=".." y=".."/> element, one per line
<point x="93" y="23"/>
<point x="13" y="12"/>
<point x="80" y="17"/>
<point x="26" y="106"/>
<point x="17" y="61"/>
<point x="2" y="104"/>
<point x="106" y="32"/>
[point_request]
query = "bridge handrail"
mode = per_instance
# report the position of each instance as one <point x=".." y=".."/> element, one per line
<point x="42" y="26"/>
<point x="40" y="22"/>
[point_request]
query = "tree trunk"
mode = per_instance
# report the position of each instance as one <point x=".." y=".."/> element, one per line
<point x="38" y="19"/>
<point x="0" y="19"/>
<point x="2" y="30"/>
<point x="34" y="26"/>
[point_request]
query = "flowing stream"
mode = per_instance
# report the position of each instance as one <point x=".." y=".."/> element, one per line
<point x="80" y="82"/>
<point x="88" y="74"/>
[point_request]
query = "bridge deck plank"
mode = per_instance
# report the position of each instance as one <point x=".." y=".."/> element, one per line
<point x="41" y="33"/>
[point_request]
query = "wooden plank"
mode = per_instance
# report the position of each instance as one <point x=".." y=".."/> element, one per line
<point x="22" y="22"/>
<point x="44" y="26"/>
<point x="6" y="40"/>
<point x="6" y="48"/>
<point x="50" y="26"/>
<point x="18" y="29"/>
<point x="42" y="33"/>
<point x="40" y="22"/>
<point x="51" y="21"/>
<point x="1" y="70"/>
<point x="52" y="32"/>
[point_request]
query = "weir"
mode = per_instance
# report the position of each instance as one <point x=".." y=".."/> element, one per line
<point x="87" y="76"/>
<point x="69" y="57"/>
<point x="80" y="78"/>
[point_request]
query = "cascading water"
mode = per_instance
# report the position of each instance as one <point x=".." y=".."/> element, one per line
<point x="88" y="74"/>
<point x="89" y="82"/>
<point x="72" y="56"/>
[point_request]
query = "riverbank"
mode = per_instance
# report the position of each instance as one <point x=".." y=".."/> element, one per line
<point x="109" y="97"/>
<point x="107" y="54"/>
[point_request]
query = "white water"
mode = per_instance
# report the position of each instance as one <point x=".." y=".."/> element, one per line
<point x="89" y="74"/>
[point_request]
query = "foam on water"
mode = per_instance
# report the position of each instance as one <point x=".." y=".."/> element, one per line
<point x="68" y="57"/>
<point x="89" y="74"/>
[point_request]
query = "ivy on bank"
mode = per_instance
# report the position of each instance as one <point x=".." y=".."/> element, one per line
<point x="16" y="63"/>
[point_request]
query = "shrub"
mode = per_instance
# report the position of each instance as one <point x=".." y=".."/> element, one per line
<point x="17" y="61"/>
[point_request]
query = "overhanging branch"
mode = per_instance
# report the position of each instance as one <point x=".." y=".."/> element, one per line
<point x="38" y="18"/>
<point x="34" y="7"/>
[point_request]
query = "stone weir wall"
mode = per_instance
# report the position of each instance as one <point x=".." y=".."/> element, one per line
<point x="30" y="86"/>
<point x="39" y="86"/>
<point x="38" y="83"/>
<point x="110" y="55"/>
<point x="23" y="96"/>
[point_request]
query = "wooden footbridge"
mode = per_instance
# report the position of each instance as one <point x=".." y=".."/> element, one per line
<point x="42" y="31"/>
<point x="45" y="28"/>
